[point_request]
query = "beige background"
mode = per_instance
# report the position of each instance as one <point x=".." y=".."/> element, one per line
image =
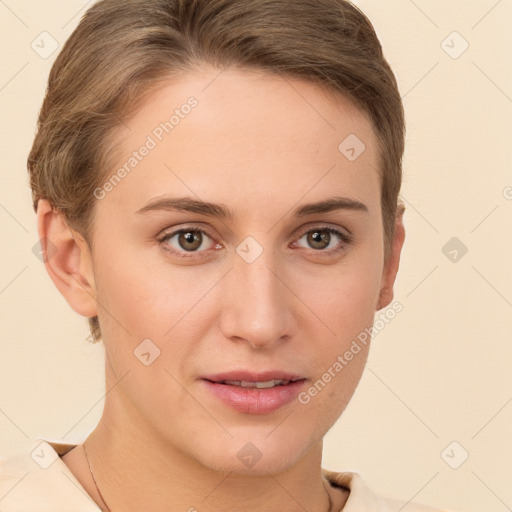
<point x="439" y="372"/>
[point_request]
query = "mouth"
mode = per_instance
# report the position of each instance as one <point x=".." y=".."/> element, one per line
<point x="260" y="385"/>
<point x="261" y="380"/>
<point x="255" y="393"/>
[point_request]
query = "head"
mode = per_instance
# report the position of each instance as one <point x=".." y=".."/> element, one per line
<point x="262" y="109"/>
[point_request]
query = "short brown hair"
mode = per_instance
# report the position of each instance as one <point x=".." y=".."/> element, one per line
<point x="122" y="48"/>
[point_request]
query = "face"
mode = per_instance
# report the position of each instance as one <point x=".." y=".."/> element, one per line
<point x="259" y="284"/>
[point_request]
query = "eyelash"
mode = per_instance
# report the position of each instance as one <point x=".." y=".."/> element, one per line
<point x="345" y="240"/>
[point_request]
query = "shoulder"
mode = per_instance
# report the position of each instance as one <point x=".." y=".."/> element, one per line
<point x="35" y="478"/>
<point x="363" y="499"/>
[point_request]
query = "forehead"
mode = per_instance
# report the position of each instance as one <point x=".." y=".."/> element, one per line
<point x="213" y="132"/>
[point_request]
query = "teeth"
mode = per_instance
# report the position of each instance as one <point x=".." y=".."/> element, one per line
<point x="259" y="385"/>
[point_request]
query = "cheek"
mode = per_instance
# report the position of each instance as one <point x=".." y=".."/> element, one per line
<point x="343" y="296"/>
<point x="145" y="297"/>
<point x="324" y="401"/>
<point x="147" y="301"/>
<point x="344" y="299"/>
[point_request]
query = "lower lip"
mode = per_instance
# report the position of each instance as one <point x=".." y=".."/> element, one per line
<point x="254" y="400"/>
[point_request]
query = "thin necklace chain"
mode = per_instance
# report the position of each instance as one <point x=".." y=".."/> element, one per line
<point x="108" y="508"/>
<point x="94" y="479"/>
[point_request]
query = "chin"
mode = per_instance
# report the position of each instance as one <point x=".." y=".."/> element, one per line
<point x="256" y="457"/>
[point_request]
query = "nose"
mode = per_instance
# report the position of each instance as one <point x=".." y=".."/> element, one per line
<point x="257" y="305"/>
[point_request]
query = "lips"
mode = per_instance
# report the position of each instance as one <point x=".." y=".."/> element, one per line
<point x="255" y="393"/>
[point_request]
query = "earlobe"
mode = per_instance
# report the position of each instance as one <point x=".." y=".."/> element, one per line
<point x="67" y="259"/>
<point x="391" y="267"/>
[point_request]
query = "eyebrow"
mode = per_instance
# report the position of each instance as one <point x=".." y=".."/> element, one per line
<point x="188" y="204"/>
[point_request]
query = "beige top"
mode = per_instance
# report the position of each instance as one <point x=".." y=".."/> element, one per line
<point x="39" y="481"/>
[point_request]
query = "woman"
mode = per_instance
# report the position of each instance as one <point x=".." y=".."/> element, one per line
<point x="216" y="185"/>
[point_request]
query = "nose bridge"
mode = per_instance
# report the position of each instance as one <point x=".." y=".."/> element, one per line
<point x="257" y="304"/>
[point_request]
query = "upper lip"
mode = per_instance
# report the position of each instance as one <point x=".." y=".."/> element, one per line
<point x="243" y="375"/>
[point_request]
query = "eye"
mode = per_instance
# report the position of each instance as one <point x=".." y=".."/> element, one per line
<point x="194" y="242"/>
<point x="324" y="238"/>
<point x="187" y="240"/>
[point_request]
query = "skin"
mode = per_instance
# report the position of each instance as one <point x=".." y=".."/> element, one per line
<point x="262" y="146"/>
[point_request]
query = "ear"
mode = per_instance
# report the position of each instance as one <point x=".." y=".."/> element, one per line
<point x="67" y="259"/>
<point x="391" y="265"/>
